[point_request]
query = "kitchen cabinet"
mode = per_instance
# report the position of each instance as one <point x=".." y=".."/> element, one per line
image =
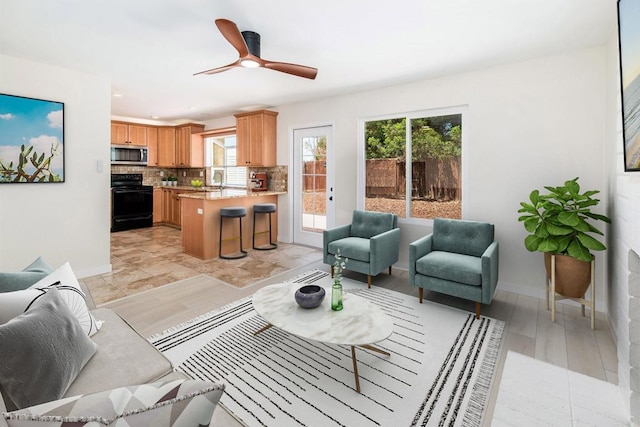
<point x="256" y="138"/>
<point x="166" y="146"/>
<point x="128" y="133"/>
<point x="171" y="207"/>
<point x="157" y="205"/>
<point x="189" y="146"/>
<point x="152" y="146"/>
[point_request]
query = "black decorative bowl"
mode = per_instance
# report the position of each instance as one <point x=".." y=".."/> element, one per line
<point x="309" y="296"/>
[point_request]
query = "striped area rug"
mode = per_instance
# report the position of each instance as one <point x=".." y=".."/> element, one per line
<point x="439" y="373"/>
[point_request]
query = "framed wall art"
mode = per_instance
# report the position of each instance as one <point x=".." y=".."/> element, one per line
<point x="31" y="140"/>
<point x="629" y="45"/>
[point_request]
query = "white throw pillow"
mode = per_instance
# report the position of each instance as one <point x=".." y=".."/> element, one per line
<point x="13" y="304"/>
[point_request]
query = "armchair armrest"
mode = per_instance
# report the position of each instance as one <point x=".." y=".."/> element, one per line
<point x="417" y="250"/>
<point x="331" y="235"/>
<point x="385" y="250"/>
<point x="490" y="264"/>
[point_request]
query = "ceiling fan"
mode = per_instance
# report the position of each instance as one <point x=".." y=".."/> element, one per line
<point x="247" y="43"/>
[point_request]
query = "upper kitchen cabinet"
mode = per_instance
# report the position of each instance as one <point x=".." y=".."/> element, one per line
<point x="256" y="138"/>
<point x="127" y="133"/>
<point x="152" y="145"/>
<point x="189" y="146"/>
<point x="166" y="146"/>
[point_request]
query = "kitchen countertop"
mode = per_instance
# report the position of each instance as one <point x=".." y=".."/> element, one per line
<point x="227" y="193"/>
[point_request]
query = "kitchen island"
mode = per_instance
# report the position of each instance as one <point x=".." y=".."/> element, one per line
<point x="201" y="221"/>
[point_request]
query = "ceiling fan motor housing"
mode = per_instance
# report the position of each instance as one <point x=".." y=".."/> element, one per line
<point x="252" y="39"/>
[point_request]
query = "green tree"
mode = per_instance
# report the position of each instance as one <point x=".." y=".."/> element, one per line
<point x="386" y="138"/>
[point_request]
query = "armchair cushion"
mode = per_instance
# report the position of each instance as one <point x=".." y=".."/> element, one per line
<point x="449" y="266"/>
<point x="351" y="248"/>
<point x="462" y="237"/>
<point x="368" y="224"/>
<point x="22" y="280"/>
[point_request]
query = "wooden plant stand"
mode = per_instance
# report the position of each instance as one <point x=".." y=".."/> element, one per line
<point x="550" y="285"/>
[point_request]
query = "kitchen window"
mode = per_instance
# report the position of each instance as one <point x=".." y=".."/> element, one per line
<point x="221" y="159"/>
<point x="413" y="164"/>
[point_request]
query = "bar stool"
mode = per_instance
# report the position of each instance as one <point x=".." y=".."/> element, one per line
<point x="263" y="208"/>
<point x="232" y="212"/>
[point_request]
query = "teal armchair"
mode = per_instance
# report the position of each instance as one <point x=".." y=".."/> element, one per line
<point x="460" y="258"/>
<point x="371" y="243"/>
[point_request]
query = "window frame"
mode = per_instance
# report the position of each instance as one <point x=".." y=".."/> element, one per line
<point x="463" y="110"/>
<point x="217" y="134"/>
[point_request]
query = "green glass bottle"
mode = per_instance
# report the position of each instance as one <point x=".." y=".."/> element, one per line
<point x="336" y="296"/>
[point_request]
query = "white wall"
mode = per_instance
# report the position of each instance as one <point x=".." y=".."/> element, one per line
<point x="530" y="124"/>
<point x="624" y="239"/>
<point x="67" y="221"/>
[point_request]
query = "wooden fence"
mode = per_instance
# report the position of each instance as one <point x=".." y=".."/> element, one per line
<point x="432" y="179"/>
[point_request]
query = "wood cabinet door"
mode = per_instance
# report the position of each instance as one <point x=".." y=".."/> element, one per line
<point x="152" y="146"/>
<point x="183" y="149"/>
<point x="119" y="133"/>
<point x="269" y="155"/>
<point x="255" y="140"/>
<point x="243" y="141"/>
<point x="137" y="135"/>
<point x="166" y="147"/>
<point x="166" y="205"/>
<point x="176" y="214"/>
<point x="157" y="205"/>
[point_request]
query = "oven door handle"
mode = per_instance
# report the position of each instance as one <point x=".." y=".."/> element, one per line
<point x="129" y="190"/>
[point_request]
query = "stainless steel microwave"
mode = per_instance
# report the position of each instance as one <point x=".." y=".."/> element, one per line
<point x="129" y="155"/>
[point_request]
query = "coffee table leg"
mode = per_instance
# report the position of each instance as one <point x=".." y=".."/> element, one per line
<point x="355" y="368"/>
<point x="355" y="361"/>
<point x="264" y="328"/>
<point x="376" y="349"/>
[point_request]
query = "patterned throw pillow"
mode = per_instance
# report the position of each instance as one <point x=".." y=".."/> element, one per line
<point x="13" y="304"/>
<point x="172" y="403"/>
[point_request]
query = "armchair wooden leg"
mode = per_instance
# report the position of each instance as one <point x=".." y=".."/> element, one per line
<point x="332" y="271"/>
<point x="477" y="310"/>
<point x="420" y="291"/>
<point x="369" y="281"/>
<point x="389" y="270"/>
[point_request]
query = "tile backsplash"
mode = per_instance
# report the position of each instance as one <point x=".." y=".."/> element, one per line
<point x="277" y="175"/>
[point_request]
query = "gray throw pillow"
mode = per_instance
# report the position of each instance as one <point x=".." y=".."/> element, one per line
<point x="42" y="352"/>
<point x="35" y="271"/>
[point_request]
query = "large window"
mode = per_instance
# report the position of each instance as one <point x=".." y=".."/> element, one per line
<point x="222" y="158"/>
<point x="413" y="165"/>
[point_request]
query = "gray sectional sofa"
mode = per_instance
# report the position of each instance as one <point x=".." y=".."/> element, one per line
<point x="123" y="358"/>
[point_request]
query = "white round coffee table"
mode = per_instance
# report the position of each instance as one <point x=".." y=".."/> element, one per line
<point x="360" y="323"/>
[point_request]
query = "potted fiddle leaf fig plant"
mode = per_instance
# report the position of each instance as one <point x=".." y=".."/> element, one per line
<point x="560" y="224"/>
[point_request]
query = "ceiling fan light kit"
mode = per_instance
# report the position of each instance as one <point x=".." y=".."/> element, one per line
<point x="247" y="43"/>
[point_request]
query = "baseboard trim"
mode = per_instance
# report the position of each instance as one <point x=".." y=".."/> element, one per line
<point x="93" y="271"/>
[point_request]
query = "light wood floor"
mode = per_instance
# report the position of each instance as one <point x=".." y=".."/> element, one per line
<point x="568" y="342"/>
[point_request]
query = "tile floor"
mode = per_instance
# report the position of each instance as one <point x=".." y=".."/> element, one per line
<point x="147" y="258"/>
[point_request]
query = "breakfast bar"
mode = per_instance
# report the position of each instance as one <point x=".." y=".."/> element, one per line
<point x="201" y="221"/>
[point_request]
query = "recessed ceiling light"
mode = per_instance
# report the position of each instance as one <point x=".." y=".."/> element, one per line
<point x="116" y="95"/>
<point x="193" y="108"/>
<point x="155" y="117"/>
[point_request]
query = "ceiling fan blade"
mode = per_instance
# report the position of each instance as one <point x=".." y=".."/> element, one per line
<point x="295" y="69"/>
<point x="220" y="69"/>
<point x="230" y="32"/>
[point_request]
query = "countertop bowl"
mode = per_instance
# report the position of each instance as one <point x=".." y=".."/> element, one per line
<point x="309" y="296"/>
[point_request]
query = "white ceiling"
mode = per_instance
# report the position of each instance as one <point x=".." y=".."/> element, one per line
<point x="150" y="49"/>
